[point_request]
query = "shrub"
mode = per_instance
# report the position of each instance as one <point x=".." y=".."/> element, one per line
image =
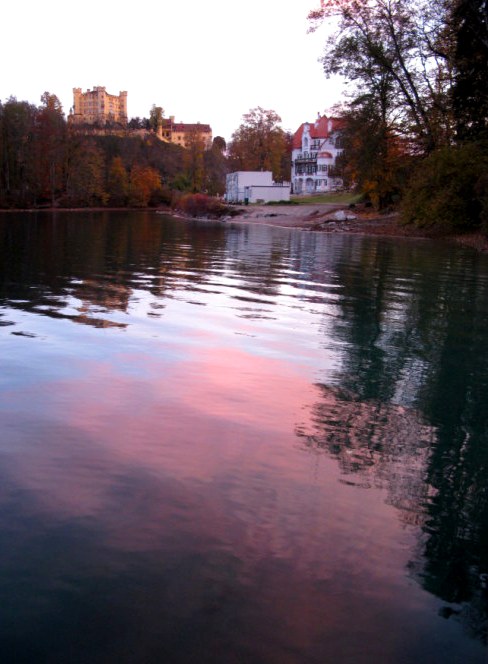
<point x="449" y="190"/>
<point x="200" y="205"/>
<point x="282" y="203"/>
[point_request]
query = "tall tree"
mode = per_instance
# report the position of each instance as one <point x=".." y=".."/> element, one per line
<point x="86" y="174"/>
<point x="156" y="115"/>
<point x="17" y="177"/>
<point x="391" y="50"/>
<point x="374" y="160"/>
<point x="117" y="182"/>
<point x="194" y="159"/>
<point x="470" y="92"/>
<point x="259" y="143"/>
<point x="50" y="148"/>
<point x="216" y="167"/>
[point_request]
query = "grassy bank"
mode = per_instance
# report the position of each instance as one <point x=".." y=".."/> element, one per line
<point x="342" y="197"/>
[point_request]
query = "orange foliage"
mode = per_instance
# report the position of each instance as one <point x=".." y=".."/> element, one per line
<point x="144" y="183"/>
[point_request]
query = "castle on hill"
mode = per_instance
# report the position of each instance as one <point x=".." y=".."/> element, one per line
<point x="97" y="108"/>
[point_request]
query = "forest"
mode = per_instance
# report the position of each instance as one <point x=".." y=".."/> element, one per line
<point x="45" y="162"/>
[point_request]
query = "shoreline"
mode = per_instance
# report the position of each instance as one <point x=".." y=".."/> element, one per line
<point x="321" y="218"/>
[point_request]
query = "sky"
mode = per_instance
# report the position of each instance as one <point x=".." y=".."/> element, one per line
<point x="208" y="62"/>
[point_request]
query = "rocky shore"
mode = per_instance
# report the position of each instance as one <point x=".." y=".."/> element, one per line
<point x="332" y="218"/>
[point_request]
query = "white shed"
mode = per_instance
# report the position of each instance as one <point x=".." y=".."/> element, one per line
<point x="255" y="187"/>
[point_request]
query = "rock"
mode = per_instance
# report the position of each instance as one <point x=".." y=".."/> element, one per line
<point x="342" y="215"/>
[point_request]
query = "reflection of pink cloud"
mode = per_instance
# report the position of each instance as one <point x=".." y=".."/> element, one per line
<point x="195" y="420"/>
<point x="197" y="433"/>
<point x="202" y="456"/>
<point x="250" y="390"/>
<point x="214" y="435"/>
<point x="211" y="399"/>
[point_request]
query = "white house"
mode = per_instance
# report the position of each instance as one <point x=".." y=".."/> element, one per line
<point x="316" y="147"/>
<point x="254" y="187"/>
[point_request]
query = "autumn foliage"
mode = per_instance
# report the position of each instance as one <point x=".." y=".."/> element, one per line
<point x="200" y="205"/>
<point x="45" y="162"/>
<point x="145" y="183"/>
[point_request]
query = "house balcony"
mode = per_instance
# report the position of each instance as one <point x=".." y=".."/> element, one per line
<point x="306" y="157"/>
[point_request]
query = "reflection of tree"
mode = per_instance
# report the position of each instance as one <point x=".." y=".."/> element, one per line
<point x="455" y="399"/>
<point x="413" y="329"/>
<point x="101" y="259"/>
<point x="376" y="444"/>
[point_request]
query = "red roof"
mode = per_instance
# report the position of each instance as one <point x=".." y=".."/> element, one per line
<point x="183" y="126"/>
<point x="167" y="123"/>
<point x="318" y="130"/>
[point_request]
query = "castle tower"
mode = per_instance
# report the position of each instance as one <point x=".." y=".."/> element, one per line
<point x="98" y="107"/>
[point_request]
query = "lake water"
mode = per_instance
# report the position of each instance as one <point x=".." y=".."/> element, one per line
<point x="223" y="443"/>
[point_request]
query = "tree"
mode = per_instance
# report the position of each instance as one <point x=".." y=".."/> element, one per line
<point x="17" y="175"/>
<point x="156" y="115"/>
<point x="219" y="144"/>
<point x="194" y="160"/>
<point x="259" y="144"/>
<point x="51" y="102"/>
<point x="85" y="181"/>
<point x="392" y="51"/>
<point x="470" y="91"/>
<point x="375" y="160"/>
<point x="118" y="182"/>
<point x="216" y="167"/>
<point x="449" y="190"/>
<point x="136" y="123"/>
<point x="50" y="148"/>
<point x="145" y="182"/>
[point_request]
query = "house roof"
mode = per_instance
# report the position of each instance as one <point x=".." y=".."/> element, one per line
<point x="183" y="126"/>
<point x="167" y="123"/>
<point x="318" y="129"/>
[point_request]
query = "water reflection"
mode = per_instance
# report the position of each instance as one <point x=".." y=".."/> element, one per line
<point x="254" y="445"/>
<point x="408" y="410"/>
